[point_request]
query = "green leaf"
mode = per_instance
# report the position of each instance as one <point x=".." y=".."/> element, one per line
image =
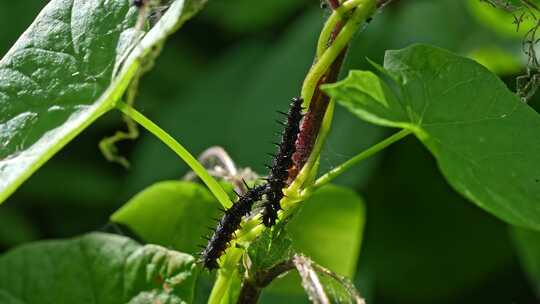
<point x="484" y="138"/>
<point x="333" y="216"/>
<point x="175" y="214"/>
<point x="6" y="298"/>
<point x="528" y="248"/>
<point x="270" y="248"/>
<point x="71" y="65"/>
<point x="96" y="268"/>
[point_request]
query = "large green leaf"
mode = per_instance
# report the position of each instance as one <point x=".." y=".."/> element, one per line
<point x="71" y="65"/>
<point x="172" y="213"/>
<point x="333" y="216"/>
<point x="484" y="138"/>
<point x="96" y="268"/>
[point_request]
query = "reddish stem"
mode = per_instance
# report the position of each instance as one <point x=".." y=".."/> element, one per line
<point x="311" y="124"/>
<point x="313" y="118"/>
<point x="312" y="121"/>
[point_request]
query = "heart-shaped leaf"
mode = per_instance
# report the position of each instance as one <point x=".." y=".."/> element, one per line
<point x="485" y="139"/>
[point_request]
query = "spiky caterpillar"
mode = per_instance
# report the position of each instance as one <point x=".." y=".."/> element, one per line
<point x="227" y="225"/>
<point x="273" y="189"/>
<point x="281" y="162"/>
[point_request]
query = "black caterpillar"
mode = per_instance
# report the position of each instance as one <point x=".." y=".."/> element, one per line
<point x="273" y="189"/>
<point x="228" y="224"/>
<point x="281" y="162"/>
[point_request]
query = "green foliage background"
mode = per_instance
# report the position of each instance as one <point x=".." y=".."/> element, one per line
<point x="423" y="242"/>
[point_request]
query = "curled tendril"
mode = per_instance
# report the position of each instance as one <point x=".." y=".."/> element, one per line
<point x="528" y="83"/>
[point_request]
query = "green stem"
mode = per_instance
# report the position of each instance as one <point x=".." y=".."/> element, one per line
<point x="350" y="4"/>
<point x="337" y="15"/>
<point x="225" y="274"/>
<point x="146" y="123"/>
<point x="364" y="9"/>
<point x="332" y="174"/>
<point x="221" y="286"/>
<point x="327" y="30"/>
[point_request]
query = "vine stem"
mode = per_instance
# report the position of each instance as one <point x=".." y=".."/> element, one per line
<point x="332" y="174"/>
<point x="326" y="32"/>
<point x="350" y="4"/>
<point x="326" y="56"/>
<point x="363" y="9"/>
<point x="224" y="276"/>
<point x="220" y="288"/>
<point x="184" y="154"/>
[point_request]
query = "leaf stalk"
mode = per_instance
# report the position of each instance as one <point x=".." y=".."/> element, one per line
<point x="184" y="154"/>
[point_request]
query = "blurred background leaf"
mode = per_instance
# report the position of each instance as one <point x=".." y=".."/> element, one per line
<point x="171" y="213"/>
<point x="528" y="249"/>
<point x="500" y="20"/>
